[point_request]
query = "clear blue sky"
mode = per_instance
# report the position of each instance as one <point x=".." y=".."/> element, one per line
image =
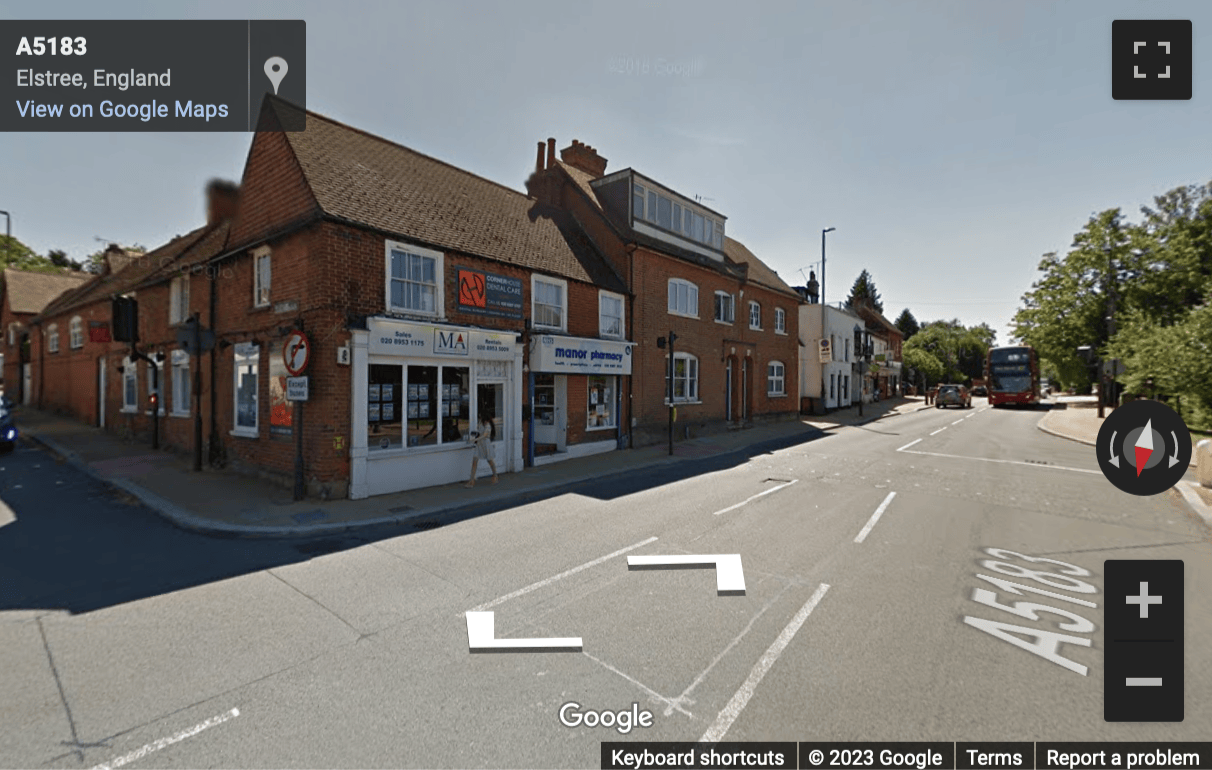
<point x="950" y="143"/>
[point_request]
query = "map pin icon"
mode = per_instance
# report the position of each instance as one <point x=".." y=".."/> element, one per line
<point x="275" y="70"/>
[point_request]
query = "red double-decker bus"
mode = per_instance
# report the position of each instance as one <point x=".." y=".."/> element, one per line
<point x="1013" y="375"/>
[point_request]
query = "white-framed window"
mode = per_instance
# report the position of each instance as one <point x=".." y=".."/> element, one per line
<point x="180" y="383"/>
<point x="261" y="276"/>
<point x="755" y="316"/>
<point x="157" y="387"/>
<point x="548" y="303"/>
<point x="648" y="205"/>
<point x="610" y="315"/>
<point x="776" y="379"/>
<point x="76" y="333"/>
<point x="685" y="378"/>
<point x="414" y="280"/>
<point x="52" y="338"/>
<point x="130" y="385"/>
<point x="246" y="366"/>
<point x="178" y="298"/>
<point x="780" y="321"/>
<point x="725" y="307"/>
<point x="683" y="298"/>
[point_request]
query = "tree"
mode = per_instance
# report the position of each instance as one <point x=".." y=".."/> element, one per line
<point x="59" y="258"/>
<point x="925" y="364"/>
<point x="907" y="324"/>
<point x="15" y="254"/>
<point x="959" y="350"/>
<point x="1176" y="357"/>
<point x="863" y="292"/>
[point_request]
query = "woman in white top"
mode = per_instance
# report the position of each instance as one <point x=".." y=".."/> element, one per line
<point x="482" y="439"/>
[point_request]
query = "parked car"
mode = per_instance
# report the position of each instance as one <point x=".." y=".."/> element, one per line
<point x="980" y="390"/>
<point x="953" y="395"/>
<point x="8" y="429"/>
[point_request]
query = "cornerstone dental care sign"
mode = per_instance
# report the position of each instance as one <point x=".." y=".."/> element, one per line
<point x="573" y="355"/>
<point x="489" y="294"/>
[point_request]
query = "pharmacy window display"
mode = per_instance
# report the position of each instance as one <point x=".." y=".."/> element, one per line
<point x="601" y="406"/>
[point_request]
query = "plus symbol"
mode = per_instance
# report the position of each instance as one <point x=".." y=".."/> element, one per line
<point x="1144" y="600"/>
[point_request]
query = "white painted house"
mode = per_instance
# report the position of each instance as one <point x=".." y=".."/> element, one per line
<point x="826" y="355"/>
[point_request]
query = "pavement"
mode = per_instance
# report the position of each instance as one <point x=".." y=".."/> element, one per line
<point x="224" y="502"/>
<point x="1079" y="421"/>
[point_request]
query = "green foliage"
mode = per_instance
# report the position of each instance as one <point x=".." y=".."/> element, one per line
<point x="907" y="324"/>
<point x="864" y="291"/>
<point x="924" y="363"/>
<point x="959" y="351"/>
<point x="1154" y="279"/>
<point x="15" y="254"/>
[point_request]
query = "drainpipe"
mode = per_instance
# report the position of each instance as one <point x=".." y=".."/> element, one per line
<point x="213" y="450"/>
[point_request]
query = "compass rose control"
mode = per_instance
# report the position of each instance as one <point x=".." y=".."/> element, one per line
<point x="1144" y="448"/>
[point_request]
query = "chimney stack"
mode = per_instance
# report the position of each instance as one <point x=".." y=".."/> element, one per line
<point x="221" y="200"/>
<point x="551" y="153"/>
<point x="538" y="162"/>
<point x="582" y="156"/>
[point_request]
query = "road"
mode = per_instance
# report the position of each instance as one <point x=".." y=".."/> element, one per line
<point x="130" y="643"/>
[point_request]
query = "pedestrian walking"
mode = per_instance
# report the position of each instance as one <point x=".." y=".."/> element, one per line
<point x="481" y="439"/>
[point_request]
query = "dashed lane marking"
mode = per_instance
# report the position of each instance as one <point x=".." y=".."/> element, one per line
<point x="157" y="745"/>
<point x="940" y="430"/>
<point x="874" y="518"/>
<point x="751" y="499"/>
<point x="991" y="460"/>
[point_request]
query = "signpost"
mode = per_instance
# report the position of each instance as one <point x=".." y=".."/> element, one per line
<point x="296" y="353"/>
<point x="195" y="341"/>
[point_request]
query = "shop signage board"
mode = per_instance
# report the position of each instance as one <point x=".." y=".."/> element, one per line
<point x="406" y="338"/>
<point x="579" y="355"/>
<point x="489" y="294"/>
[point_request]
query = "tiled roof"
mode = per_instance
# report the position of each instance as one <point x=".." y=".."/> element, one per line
<point x="30" y="292"/>
<point x="136" y="271"/>
<point x="759" y="272"/>
<point x="368" y="180"/>
<point x="211" y="244"/>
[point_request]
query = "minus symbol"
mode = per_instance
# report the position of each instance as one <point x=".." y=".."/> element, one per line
<point x="1142" y="681"/>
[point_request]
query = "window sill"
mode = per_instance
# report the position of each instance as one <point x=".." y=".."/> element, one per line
<point x="755" y="328"/>
<point x="130" y="410"/>
<point x="419" y="314"/>
<point x="244" y="433"/>
<point x="549" y="329"/>
<point x="147" y="413"/>
<point x="682" y="403"/>
<point x="776" y="395"/>
<point x="724" y="323"/>
<point x="783" y="333"/>
<point x="589" y="429"/>
<point x="178" y="414"/>
<point x="683" y="315"/>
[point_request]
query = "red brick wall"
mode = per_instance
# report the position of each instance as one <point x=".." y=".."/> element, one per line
<point x="712" y="343"/>
<point x="273" y="191"/>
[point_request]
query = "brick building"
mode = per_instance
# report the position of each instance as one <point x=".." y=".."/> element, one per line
<point x="25" y="294"/>
<point x="430" y="297"/>
<point x="735" y="356"/>
<point x="884" y="377"/>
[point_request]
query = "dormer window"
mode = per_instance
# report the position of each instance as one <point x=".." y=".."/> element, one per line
<point x="675" y="215"/>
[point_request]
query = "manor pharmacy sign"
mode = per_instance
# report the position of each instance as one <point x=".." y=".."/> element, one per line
<point x="401" y="338"/>
<point x="578" y="355"/>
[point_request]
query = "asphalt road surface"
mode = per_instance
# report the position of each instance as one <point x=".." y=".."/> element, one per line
<point x="129" y="643"/>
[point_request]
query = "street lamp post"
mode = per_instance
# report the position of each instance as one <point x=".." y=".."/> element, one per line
<point x="831" y="229"/>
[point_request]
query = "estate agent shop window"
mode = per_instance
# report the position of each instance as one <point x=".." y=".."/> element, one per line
<point x="418" y="406"/>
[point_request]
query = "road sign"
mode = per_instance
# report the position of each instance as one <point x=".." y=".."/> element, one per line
<point x="296" y="352"/>
<point x="296" y="388"/>
<point x="825" y="353"/>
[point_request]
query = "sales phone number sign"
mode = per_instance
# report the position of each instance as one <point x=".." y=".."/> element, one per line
<point x="151" y="75"/>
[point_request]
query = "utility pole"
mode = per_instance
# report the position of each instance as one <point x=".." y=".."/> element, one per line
<point x="829" y="230"/>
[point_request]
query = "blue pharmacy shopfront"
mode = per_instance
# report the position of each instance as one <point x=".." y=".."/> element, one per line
<point x="418" y="390"/>
<point x="576" y="395"/>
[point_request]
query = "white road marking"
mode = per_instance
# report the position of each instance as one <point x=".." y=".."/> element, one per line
<point x="1007" y="462"/>
<point x="673" y="703"/>
<point x="759" y="494"/>
<point x="554" y="578"/>
<point x="157" y="745"/>
<point x="874" y="518"/>
<point x="684" y="697"/>
<point x="957" y="422"/>
<point x="730" y="712"/>
<point x="729" y="575"/>
<point x="940" y="430"/>
<point x="911" y="443"/>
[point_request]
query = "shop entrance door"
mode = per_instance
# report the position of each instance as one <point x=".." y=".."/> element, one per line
<point x="490" y="403"/>
<point x="550" y="415"/>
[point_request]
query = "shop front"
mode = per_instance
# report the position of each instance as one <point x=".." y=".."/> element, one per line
<point x="418" y="391"/>
<point x="575" y="396"/>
